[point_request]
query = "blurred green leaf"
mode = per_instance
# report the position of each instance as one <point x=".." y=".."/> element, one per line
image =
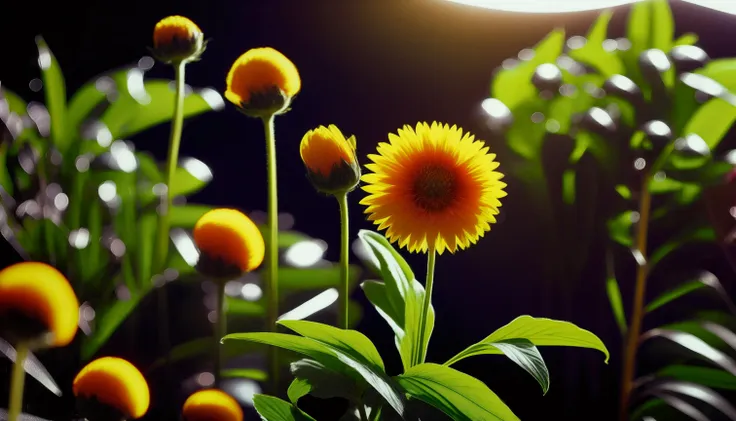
<point x="240" y="307"/>
<point x="514" y="86"/>
<point x="286" y="238"/>
<point x="88" y="97"/>
<point x="130" y="115"/>
<point x="107" y="321"/>
<point x="701" y="234"/>
<point x="332" y="357"/>
<point x="274" y="409"/>
<point x="524" y="136"/>
<point x="686" y="39"/>
<point x="405" y="294"/>
<point x="619" y="229"/>
<point x="540" y="332"/>
<point x="722" y="71"/>
<point x="662" y="25"/>
<point x="149" y="168"/>
<point x="706" y="376"/>
<point x="674" y="294"/>
<point x="712" y="121"/>
<point x="298" y="279"/>
<point x="568" y="186"/>
<point x="55" y="91"/>
<point x="5" y="181"/>
<point x="623" y="191"/>
<point x="639" y="32"/>
<point x="664" y="185"/>
<point x="186" y="216"/>
<point x="460" y="396"/>
<point x="244" y="373"/>
<point x="190" y="178"/>
<point x="617" y="306"/>
<point x="144" y="251"/>
<point x="593" y="53"/>
<point x="185" y="351"/>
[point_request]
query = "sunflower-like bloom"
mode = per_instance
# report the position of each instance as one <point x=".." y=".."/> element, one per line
<point x="37" y="305"/>
<point x="177" y="39"/>
<point x="433" y="187"/>
<point x="330" y="159"/>
<point x="230" y="244"/>
<point x="262" y="82"/>
<point x="111" y="388"/>
<point x="211" y="405"/>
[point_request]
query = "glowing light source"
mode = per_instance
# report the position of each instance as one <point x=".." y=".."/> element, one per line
<point x="545" y="6"/>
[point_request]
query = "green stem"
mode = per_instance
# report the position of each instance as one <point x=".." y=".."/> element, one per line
<point x="272" y="243"/>
<point x="361" y="409"/>
<point x="16" y="382"/>
<point x="421" y="346"/>
<point x="220" y="331"/>
<point x="344" y="255"/>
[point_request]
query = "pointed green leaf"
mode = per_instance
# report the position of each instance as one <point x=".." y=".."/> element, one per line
<point x="514" y="86"/>
<point x="662" y="25"/>
<point x="593" y="53"/>
<point x="460" y="396"/>
<point x="695" y="338"/>
<point x="332" y="357"/>
<point x="244" y="373"/>
<point x="698" y="235"/>
<point x="377" y="294"/>
<point x="617" y="306"/>
<point x="710" y="377"/>
<point x="89" y="96"/>
<point x="686" y="39"/>
<point x="55" y="91"/>
<point x="712" y="121"/>
<point x="619" y="229"/>
<point x="540" y="332"/>
<point x="274" y="409"/>
<point x="674" y="294"/>
<point x="298" y="389"/>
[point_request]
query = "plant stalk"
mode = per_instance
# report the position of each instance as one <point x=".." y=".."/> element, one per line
<point x="421" y="346"/>
<point x="16" y="382"/>
<point x="361" y="410"/>
<point x="634" y="330"/>
<point x="220" y="330"/>
<point x="344" y="264"/>
<point x="272" y="244"/>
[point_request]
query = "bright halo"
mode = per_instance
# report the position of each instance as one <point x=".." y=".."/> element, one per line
<point x="548" y="6"/>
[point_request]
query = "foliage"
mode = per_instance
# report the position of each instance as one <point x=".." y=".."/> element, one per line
<point x="650" y="112"/>
<point x="77" y="196"/>
<point x="345" y="363"/>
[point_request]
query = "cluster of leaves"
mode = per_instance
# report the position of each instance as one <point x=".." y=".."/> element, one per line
<point x="75" y="195"/>
<point x="650" y="112"/>
<point x="346" y="364"/>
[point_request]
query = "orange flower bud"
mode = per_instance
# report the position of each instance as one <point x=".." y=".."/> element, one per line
<point x="262" y="82"/>
<point x="111" y="388"/>
<point x="330" y="159"/>
<point x="211" y="405"/>
<point x="230" y="244"/>
<point x="177" y="39"/>
<point x="37" y="300"/>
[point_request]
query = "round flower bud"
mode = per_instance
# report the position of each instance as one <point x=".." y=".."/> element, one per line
<point x="177" y="39"/>
<point x="330" y="159"/>
<point x="211" y="405"/>
<point x="111" y="388"/>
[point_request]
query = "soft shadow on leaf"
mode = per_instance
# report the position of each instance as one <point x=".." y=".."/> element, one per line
<point x="692" y="390"/>
<point x="694" y="344"/>
<point x="274" y="409"/>
<point x="319" y="381"/>
<point x="710" y="377"/>
<point x="462" y="397"/>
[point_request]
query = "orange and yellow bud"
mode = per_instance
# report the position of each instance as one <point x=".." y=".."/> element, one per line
<point x="229" y="243"/>
<point x="330" y="159"/>
<point x="211" y="405"/>
<point x="37" y="305"/>
<point x="262" y="82"/>
<point x="177" y="39"/>
<point x="111" y="388"/>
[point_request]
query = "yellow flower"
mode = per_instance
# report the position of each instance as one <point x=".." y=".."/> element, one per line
<point x="36" y="300"/>
<point x="229" y="244"/>
<point x="111" y="386"/>
<point x="176" y="39"/>
<point x="262" y="82"/>
<point x="211" y="405"/>
<point x="433" y="187"/>
<point x="330" y="159"/>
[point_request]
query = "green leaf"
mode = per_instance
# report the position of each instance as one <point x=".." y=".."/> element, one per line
<point x="106" y="324"/>
<point x="663" y="185"/>
<point x="404" y="293"/>
<point x="274" y="409"/>
<point x="137" y="110"/>
<point x="514" y="86"/>
<point x="321" y="382"/>
<point x="244" y="373"/>
<point x="593" y="53"/>
<point x="186" y="216"/>
<point x="722" y="71"/>
<point x="55" y="91"/>
<point x="185" y="351"/>
<point x="5" y="181"/>
<point x="144" y="251"/>
<point x="190" y="177"/>
<point x="623" y="191"/>
<point x="332" y="357"/>
<point x="286" y="238"/>
<point x="638" y="31"/>
<point x="524" y="136"/>
<point x="706" y="376"/>
<point x="568" y="186"/>
<point x="619" y="229"/>
<point x="298" y="389"/>
<point x="300" y="279"/>
<point x="86" y="98"/>
<point x="460" y="396"/>
<point x="674" y="294"/>
<point x="540" y="331"/>
<point x="617" y="306"/>
<point x="686" y="39"/>
<point x="697" y="235"/>
<point x="149" y="168"/>
<point x="712" y="121"/>
<point x="377" y="294"/>
<point x="350" y="342"/>
<point x="693" y="336"/>
<point x="662" y="25"/>
<point x="236" y="306"/>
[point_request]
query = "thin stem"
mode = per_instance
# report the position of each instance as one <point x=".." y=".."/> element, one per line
<point x="421" y="347"/>
<point x="361" y="409"/>
<point x="220" y="330"/>
<point x="16" y="382"/>
<point x="344" y="254"/>
<point x="272" y="242"/>
<point x="632" y="341"/>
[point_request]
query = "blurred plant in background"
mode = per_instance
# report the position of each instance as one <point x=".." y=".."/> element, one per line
<point x="638" y="123"/>
<point x="77" y="194"/>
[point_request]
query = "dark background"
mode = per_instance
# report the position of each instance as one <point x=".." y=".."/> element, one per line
<point x="368" y="66"/>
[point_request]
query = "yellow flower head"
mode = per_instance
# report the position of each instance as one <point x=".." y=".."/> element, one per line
<point x="229" y="244"/>
<point x="176" y="39"/>
<point x="211" y="405"/>
<point x="262" y="82"/>
<point x="111" y="386"/>
<point x="36" y="300"/>
<point x="330" y="159"/>
<point x="433" y="187"/>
